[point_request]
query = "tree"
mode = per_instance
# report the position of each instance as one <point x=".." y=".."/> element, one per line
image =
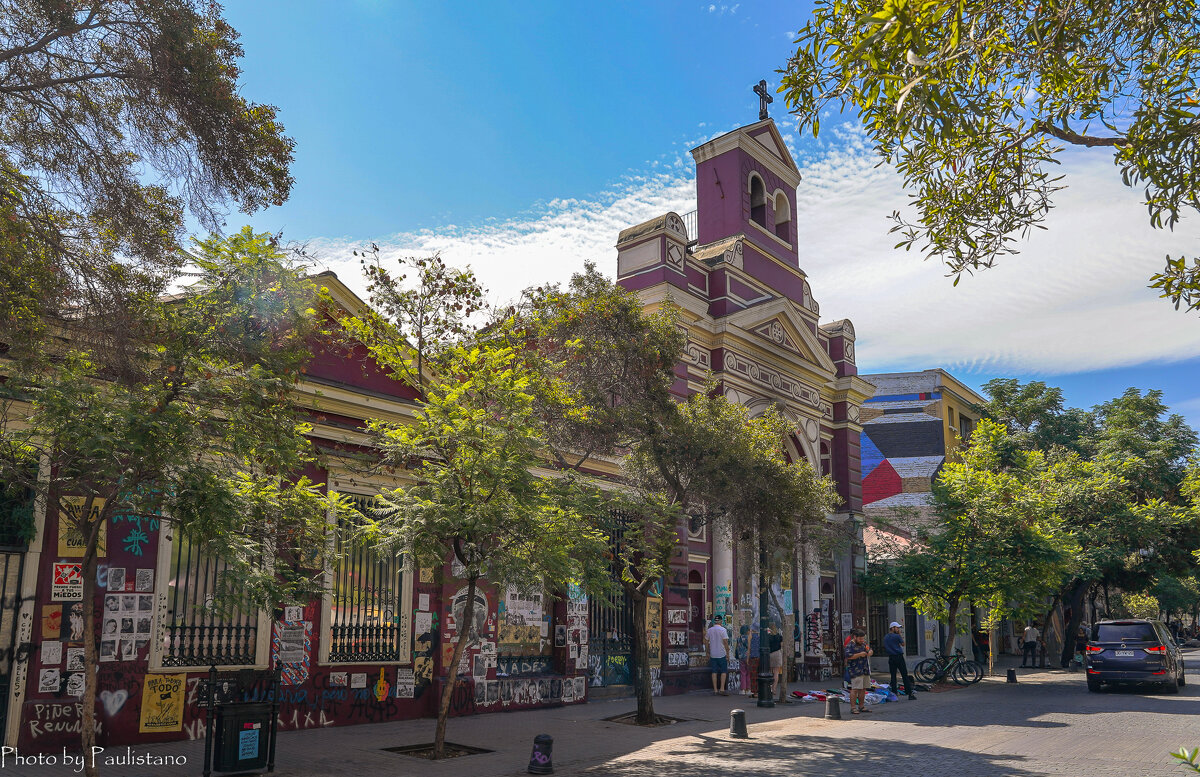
<point x="974" y="102"/>
<point x="605" y="368"/>
<point x="713" y="460"/>
<point x="1034" y="415"/>
<point x="1132" y="428"/>
<point x="117" y="118"/>
<point x="475" y="499"/>
<point x="412" y="325"/>
<point x="193" y="426"/>
<point x="993" y="542"/>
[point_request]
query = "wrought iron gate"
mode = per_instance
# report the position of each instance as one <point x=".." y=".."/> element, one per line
<point x="610" y="633"/>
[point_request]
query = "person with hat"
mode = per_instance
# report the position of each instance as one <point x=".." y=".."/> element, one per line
<point x="893" y="645"/>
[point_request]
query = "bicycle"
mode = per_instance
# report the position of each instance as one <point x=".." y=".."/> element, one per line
<point x="957" y="668"/>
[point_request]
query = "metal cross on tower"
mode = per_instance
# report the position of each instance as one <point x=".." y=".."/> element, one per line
<point x="764" y="99"/>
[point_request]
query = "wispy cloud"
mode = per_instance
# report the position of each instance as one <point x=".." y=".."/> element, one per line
<point x="1075" y="299"/>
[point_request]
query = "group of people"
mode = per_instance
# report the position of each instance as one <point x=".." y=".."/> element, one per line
<point x="858" y="660"/>
<point x="746" y="648"/>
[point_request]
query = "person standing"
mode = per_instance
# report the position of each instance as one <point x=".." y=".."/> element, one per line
<point x="1029" y="645"/>
<point x="717" y="643"/>
<point x="858" y="665"/>
<point x="893" y="645"/>
<point x="775" y="643"/>
<point x="742" y="653"/>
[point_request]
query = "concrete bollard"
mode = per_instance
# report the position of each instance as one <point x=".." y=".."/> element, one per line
<point x="1012" y="676"/>
<point x="737" y="724"/>
<point x="539" y="759"/>
<point x="833" y="708"/>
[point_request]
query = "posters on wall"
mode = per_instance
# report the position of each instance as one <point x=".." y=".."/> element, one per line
<point x="677" y="616"/>
<point x="291" y="646"/>
<point x="406" y="685"/>
<point x="51" y="653"/>
<point x="654" y="627"/>
<point x="74" y="659"/>
<point x="162" y="702"/>
<point x="116" y="578"/>
<point x="125" y="630"/>
<point x="71" y="542"/>
<point x="51" y="621"/>
<point x="66" y="583"/>
<point x="144" y="581"/>
<point x="49" y="680"/>
<point x="293" y="613"/>
<point x="423" y="622"/>
<point x="358" y="680"/>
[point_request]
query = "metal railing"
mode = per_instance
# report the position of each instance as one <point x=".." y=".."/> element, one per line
<point x="691" y="225"/>
<point x="366" y="595"/>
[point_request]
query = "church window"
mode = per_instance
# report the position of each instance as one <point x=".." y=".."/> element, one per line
<point x="758" y="200"/>
<point x="783" y="216"/>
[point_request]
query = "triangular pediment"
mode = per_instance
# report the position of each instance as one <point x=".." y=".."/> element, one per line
<point x="766" y="134"/>
<point x="780" y="318"/>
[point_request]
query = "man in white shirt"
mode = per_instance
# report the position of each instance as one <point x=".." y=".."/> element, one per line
<point x="1029" y="644"/>
<point x="716" y="642"/>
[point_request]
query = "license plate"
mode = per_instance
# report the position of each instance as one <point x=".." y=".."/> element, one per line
<point x="1123" y="653"/>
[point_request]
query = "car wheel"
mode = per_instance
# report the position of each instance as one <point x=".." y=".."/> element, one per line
<point x="1093" y="685"/>
<point x="1172" y="686"/>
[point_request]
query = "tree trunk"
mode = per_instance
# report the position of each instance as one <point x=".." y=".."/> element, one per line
<point x="781" y="691"/>
<point x="464" y="633"/>
<point x="1045" y="625"/>
<point x="952" y="605"/>
<point x="1076" y="594"/>
<point x="641" y="660"/>
<point x="87" y="721"/>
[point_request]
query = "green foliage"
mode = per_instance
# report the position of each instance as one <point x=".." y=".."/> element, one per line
<point x="605" y="365"/>
<point x="1154" y="448"/>
<point x="192" y="424"/>
<point x="474" y="445"/>
<point x="1190" y="760"/>
<point x="413" y="324"/>
<point x="116" y="119"/>
<point x="1176" y="595"/>
<point x="995" y="540"/>
<point x="1034" y="415"/>
<point x="1134" y="605"/>
<point x="975" y="101"/>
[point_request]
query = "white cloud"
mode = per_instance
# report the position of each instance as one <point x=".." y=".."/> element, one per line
<point x="1073" y="300"/>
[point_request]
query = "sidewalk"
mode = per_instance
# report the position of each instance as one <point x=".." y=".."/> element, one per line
<point x="586" y="743"/>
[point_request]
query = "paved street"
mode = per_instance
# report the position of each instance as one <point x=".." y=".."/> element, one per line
<point x="1047" y="724"/>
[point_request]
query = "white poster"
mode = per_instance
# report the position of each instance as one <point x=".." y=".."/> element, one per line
<point x="358" y="681"/>
<point x="67" y="583"/>
<point x="522" y="609"/>
<point x="49" y="681"/>
<point x="406" y="686"/>
<point x="291" y="644"/>
<point x="423" y="622"/>
<point x="51" y="653"/>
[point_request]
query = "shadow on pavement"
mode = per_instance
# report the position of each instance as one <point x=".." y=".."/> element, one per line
<point x="798" y="754"/>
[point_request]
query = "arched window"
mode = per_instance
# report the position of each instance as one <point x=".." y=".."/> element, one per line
<point x="758" y="200"/>
<point x="783" y="216"/>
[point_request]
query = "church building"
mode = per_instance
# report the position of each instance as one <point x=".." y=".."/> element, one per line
<point x="732" y="268"/>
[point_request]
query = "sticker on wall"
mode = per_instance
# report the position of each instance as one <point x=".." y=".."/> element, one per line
<point x="291" y="645"/>
<point x="71" y="543"/>
<point x="162" y="702"/>
<point x="108" y="650"/>
<point x="339" y="679"/>
<point x="51" y="621"/>
<point x="293" y="613"/>
<point x="406" y="685"/>
<point x="74" y="659"/>
<point x="422" y="601"/>
<point x="75" y="682"/>
<point x="425" y="575"/>
<point x="677" y="617"/>
<point x="144" y="581"/>
<point x="116" y="578"/>
<point x="654" y="628"/>
<point x="423" y="622"/>
<point x="67" y="583"/>
<point x="358" y="680"/>
<point x="51" y="653"/>
<point x="49" y="680"/>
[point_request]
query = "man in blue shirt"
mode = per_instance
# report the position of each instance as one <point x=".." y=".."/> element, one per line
<point x="893" y="645"/>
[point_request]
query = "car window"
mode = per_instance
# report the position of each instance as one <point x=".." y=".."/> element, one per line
<point x="1125" y="632"/>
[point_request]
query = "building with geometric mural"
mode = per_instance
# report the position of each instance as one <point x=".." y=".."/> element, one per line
<point x="912" y="424"/>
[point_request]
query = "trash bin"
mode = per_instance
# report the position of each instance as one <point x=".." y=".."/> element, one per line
<point x="242" y="731"/>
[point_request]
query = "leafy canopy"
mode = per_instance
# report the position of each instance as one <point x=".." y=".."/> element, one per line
<point x="117" y="118"/>
<point x="975" y="102"/>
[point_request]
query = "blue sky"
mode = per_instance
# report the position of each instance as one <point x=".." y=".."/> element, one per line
<point x="521" y="138"/>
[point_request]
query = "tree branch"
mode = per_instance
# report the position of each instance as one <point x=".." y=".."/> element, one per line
<point x="1070" y="136"/>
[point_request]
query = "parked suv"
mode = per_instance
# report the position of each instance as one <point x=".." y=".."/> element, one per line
<point x="1133" y="651"/>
